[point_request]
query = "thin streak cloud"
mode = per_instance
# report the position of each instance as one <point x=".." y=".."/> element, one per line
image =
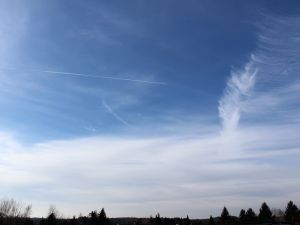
<point x="95" y="76"/>
<point x="112" y="112"/>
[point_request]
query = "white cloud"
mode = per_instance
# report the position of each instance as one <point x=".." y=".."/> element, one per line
<point x="238" y="88"/>
<point x="140" y="176"/>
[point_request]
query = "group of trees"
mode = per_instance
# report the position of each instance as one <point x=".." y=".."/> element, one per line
<point x="13" y="213"/>
<point x="291" y="215"/>
<point x="98" y="218"/>
<point x="94" y="218"/>
<point x="265" y="215"/>
<point x="157" y="220"/>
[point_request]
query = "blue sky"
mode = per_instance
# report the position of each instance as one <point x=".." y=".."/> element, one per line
<point x="177" y="107"/>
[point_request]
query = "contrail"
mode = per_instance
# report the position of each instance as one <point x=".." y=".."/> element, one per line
<point x="96" y="77"/>
<point x="102" y="77"/>
<point x="109" y="109"/>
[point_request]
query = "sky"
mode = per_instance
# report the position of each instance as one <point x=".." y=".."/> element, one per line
<point x="176" y="107"/>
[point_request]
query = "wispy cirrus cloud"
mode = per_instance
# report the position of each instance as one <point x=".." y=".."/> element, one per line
<point x="266" y="88"/>
<point x="238" y="89"/>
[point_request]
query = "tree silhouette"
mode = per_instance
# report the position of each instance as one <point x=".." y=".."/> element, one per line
<point x="225" y="214"/>
<point x="11" y="208"/>
<point x="157" y="219"/>
<point x="250" y="215"/>
<point x="12" y="214"/>
<point x="265" y="214"/>
<point x="103" y="220"/>
<point x="211" y="221"/>
<point x="291" y="212"/>
<point x="187" y="221"/>
<point x="51" y="219"/>
<point x="53" y="210"/>
<point x="94" y="217"/>
<point x="74" y="221"/>
<point x="242" y="216"/>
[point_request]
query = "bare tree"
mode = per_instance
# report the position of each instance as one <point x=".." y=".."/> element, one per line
<point x="54" y="211"/>
<point x="12" y="208"/>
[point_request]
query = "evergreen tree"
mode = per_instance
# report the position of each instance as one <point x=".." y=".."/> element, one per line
<point x="250" y="216"/>
<point x="103" y="220"/>
<point x="265" y="214"/>
<point x="187" y="221"/>
<point x="211" y="221"/>
<point x="93" y="217"/>
<point x="151" y="219"/>
<point x="157" y="219"/>
<point x="291" y="212"/>
<point x="242" y="216"/>
<point x="225" y="214"/>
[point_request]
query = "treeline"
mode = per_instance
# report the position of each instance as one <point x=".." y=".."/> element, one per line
<point x="12" y="213"/>
<point x="291" y="215"/>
